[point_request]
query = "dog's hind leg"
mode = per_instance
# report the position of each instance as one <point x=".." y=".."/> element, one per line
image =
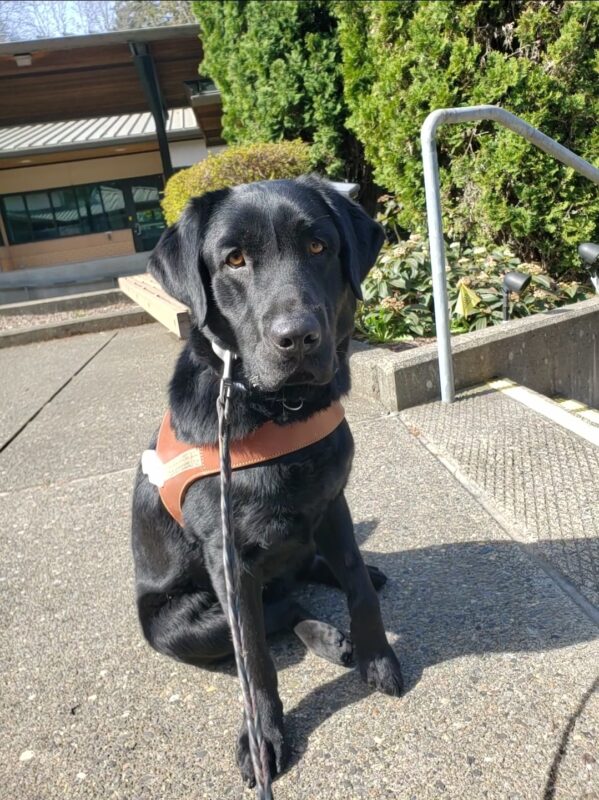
<point x="191" y="630"/>
<point x="195" y="630"/>
<point x="326" y="641"/>
<point x="188" y="627"/>
<point x="318" y="571"/>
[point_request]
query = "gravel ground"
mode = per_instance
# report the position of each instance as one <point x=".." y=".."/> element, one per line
<point x="10" y="322"/>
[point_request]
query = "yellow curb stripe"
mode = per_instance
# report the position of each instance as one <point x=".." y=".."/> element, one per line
<point x="580" y="409"/>
<point x="571" y="405"/>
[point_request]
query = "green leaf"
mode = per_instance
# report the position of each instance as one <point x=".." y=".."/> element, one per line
<point x="466" y="302"/>
<point x="542" y="280"/>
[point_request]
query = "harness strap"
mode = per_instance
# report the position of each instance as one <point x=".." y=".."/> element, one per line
<point x="175" y="465"/>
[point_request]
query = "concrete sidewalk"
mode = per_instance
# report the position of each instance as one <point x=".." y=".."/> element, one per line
<point x="501" y="665"/>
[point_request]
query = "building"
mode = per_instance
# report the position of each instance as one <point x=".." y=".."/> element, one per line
<point x="90" y="129"/>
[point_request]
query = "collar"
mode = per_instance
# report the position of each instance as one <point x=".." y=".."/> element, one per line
<point x="228" y="357"/>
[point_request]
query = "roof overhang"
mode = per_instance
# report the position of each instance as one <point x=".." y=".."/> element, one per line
<point x="101" y="39"/>
<point x="102" y="132"/>
<point x="97" y="76"/>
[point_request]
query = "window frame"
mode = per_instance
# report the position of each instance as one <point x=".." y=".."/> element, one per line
<point x="120" y="183"/>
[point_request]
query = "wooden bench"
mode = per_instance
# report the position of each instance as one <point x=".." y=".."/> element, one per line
<point x="147" y="292"/>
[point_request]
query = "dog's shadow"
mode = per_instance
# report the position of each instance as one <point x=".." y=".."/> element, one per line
<point x="440" y="603"/>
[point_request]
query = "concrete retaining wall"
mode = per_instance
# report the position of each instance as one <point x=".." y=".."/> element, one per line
<point x="553" y="353"/>
<point x="34" y="284"/>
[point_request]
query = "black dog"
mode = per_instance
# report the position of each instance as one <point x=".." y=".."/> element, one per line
<point x="271" y="271"/>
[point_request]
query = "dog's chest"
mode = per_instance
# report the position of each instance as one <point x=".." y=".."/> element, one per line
<point x="276" y="506"/>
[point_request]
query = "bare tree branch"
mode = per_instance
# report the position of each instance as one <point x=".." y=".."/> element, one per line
<point x="21" y="20"/>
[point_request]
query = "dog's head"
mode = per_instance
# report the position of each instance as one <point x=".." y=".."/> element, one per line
<point x="272" y="270"/>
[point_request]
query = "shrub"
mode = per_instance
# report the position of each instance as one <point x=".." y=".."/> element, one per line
<point x="536" y="58"/>
<point x="277" y="65"/>
<point x="242" y="164"/>
<point x="398" y="292"/>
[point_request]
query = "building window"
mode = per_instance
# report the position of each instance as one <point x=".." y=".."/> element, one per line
<point x="114" y="206"/>
<point x="79" y="210"/>
<point x="66" y="212"/>
<point x="91" y="209"/>
<point x="41" y="216"/>
<point x="18" y="226"/>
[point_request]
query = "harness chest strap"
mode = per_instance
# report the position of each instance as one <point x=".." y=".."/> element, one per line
<point x="175" y="465"/>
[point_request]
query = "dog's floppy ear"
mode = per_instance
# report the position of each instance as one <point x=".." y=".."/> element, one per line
<point x="176" y="262"/>
<point x="361" y="237"/>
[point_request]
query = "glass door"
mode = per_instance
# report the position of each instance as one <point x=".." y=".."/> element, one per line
<point x="145" y="214"/>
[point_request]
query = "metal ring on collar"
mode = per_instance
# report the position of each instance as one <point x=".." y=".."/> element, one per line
<point x="293" y="408"/>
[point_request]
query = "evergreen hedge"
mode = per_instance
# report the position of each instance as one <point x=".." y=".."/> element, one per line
<point x="278" y="67"/>
<point x="536" y="58"/>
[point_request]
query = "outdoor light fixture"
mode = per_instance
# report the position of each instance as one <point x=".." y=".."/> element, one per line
<point x="513" y="282"/>
<point x="589" y="253"/>
<point x="23" y="59"/>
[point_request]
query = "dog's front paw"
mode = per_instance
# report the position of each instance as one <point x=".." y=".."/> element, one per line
<point x="278" y="752"/>
<point x="383" y="673"/>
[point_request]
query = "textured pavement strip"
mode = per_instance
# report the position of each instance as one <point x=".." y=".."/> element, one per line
<point x="544" y="478"/>
<point x="500" y="664"/>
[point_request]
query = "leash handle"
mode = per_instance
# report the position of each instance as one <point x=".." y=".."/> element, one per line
<point x="257" y="745"/>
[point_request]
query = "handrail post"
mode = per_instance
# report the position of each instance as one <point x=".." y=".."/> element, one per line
<point x="437" y="254"/>
<point x="433" y="208"/>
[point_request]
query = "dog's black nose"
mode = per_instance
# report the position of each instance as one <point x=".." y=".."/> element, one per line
<point x="293" y="335"/>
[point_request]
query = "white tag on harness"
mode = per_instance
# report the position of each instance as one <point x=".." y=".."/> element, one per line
<point x="152" y="466"/>
<point x="159" y="473"/>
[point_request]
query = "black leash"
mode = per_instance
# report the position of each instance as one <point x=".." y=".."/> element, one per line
<point x="258" y="748"/>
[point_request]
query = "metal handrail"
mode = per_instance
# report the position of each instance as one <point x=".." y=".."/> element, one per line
<point x="433" y="208"/>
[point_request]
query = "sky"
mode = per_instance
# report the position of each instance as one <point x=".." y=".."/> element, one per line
<point x="34" y="19"/>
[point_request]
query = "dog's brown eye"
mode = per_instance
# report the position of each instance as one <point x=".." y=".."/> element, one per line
<point x="316" y="247"/>
<point x="235" y="259"/>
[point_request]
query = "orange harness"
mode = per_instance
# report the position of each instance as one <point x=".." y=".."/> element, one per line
<point x="175" y="465"/>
